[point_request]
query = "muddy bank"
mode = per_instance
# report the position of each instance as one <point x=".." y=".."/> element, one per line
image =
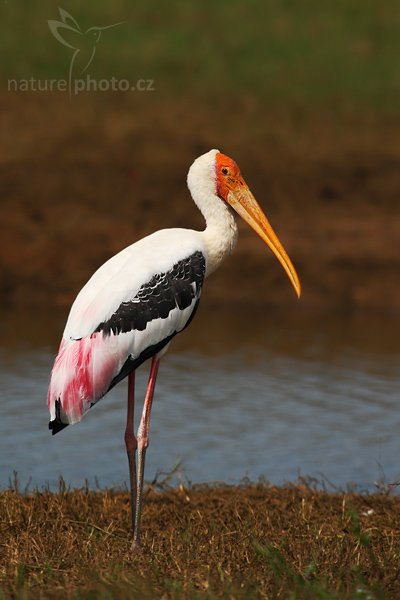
<point x="81" y="179"/>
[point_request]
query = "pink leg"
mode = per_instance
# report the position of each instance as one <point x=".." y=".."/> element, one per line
<point x="131" y="443"/>
<point x="143" y="442"/>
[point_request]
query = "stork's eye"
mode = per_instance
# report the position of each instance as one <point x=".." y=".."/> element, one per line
<point x="225" y="170"/>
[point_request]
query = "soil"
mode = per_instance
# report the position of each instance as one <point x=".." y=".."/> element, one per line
<point x="83" y="178"/>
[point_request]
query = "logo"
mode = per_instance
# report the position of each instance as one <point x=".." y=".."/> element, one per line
<point x="83" y="43"/>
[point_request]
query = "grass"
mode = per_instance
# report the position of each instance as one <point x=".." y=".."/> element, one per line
<point x="244" y="542"/>
<point x="341" y="54"/>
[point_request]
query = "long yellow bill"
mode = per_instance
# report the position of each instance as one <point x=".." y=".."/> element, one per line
<point x="243" y="202"/>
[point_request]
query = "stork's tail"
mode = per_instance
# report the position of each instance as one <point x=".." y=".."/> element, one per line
<point x="56" y="424"/>
<point x="81" y="375"/>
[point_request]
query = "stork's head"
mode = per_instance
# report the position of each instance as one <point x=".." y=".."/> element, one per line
<point x="219" y="175"/>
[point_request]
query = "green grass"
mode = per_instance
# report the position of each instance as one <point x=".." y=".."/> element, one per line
<point x="306" y="53"/>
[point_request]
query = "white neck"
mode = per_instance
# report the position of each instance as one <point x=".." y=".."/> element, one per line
<point x="221" y="232"/>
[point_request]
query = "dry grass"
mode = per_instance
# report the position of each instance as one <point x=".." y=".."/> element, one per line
<point x="250" y="541"/>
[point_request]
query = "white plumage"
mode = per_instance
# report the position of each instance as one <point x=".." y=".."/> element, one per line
<point x="120" y="278"/>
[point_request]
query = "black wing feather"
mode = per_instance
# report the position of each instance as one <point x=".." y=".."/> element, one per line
<point x="157" y="298"/>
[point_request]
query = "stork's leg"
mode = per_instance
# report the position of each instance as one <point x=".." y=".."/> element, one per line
<point x="131" y="443"/>
<point x="143" y="442"/>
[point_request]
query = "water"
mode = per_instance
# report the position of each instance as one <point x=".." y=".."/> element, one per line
<point x="269" y="394"/>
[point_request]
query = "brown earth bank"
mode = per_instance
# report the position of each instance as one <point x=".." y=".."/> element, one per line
<point x="249" y="541"/>
<point x="83" y="178"/>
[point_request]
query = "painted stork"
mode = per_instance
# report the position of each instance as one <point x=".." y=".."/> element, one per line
<point x="137" y="301"/>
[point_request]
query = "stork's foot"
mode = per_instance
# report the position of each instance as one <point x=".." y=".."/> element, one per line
<point x="136" y="548"/>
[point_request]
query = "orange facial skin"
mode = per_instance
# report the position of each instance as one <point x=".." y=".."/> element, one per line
<point x="228" y="175"/>
<point x="232" y="188"/>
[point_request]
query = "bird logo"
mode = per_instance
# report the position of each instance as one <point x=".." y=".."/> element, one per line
<point x="84" y="43"/>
